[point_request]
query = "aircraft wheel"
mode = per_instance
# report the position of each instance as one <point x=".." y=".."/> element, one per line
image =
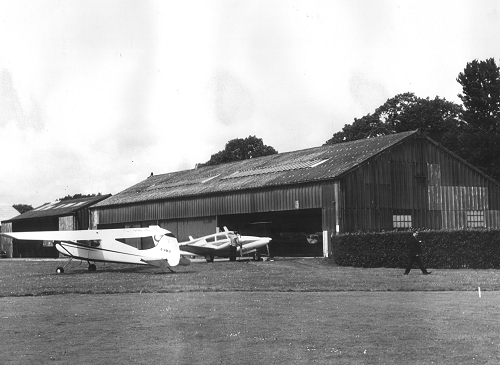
<point x="92" y="267"/>
<point x="256" y="256"/>
<point x="60" y="270"/>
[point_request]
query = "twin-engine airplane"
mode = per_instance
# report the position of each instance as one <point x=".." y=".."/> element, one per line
<point x="108" y="246"/>
<point x="218" y="245"/>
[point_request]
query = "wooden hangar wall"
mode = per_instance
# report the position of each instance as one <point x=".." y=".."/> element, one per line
<point x="418" y="184"/>
<point x="202" y="215"/>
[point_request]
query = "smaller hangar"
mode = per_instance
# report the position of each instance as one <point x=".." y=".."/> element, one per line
<point x="58" y="216"/>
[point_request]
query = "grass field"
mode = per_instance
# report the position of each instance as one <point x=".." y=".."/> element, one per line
<point x="289" y="311"/>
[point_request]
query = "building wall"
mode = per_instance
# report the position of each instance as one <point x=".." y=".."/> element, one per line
<point x="418" y="180"/>
<point x="6" y="242"/>
<point x="198" y="216"/>
<point x="249" y="201"/>
<point x="67" y="223"/>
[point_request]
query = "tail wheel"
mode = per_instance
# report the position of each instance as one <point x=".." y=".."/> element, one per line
<point x="60" y="270"/>
<point x="92" y="267"/>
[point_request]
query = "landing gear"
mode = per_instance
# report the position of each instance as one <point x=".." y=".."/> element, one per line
<point x="60" y="269"/>
<point x="92" y="267"/>
<point x="256" y="255"/>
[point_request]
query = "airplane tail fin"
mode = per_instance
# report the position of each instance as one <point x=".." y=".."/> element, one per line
<point x="169" y="245"/>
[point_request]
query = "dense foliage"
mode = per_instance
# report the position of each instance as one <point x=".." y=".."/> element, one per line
<point x="475" y="249"/>
<point x="480" y="139"/>
<point x="471" y="130"/>
<point x="78" y="196"/>
<point x="480" y="83"/>
<point x="241" y="149"/>
<point x="438" y="118"/>
<point x="22" y="208"/>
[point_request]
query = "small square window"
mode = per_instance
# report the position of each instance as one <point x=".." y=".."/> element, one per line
<point x="475" y="219"/>
<point x="401" y="221"/>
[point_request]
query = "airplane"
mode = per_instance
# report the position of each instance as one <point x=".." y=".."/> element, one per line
<point x="108" y="245"/>
<point x="218" y="245"/>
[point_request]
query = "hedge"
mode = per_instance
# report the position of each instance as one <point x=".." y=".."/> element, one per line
<point x="474" y="249"/>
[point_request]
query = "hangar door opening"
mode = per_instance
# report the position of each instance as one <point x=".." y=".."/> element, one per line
<point x="35" y="249"/>
<point x="293" y="232"/>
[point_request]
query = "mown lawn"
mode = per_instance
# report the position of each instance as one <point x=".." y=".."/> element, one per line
<point x="295" y="311"/>
<point x="20" y="278"/>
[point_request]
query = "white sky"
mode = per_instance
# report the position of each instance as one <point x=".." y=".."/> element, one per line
<point x="96" y="95"/>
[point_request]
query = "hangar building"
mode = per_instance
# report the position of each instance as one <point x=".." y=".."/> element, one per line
<point x="384" y="183"/>
<point x="58" y="216"/>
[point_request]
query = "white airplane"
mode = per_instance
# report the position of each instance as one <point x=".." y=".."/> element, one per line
<point x="218" y="245"/>
<point x="107" y="245"/>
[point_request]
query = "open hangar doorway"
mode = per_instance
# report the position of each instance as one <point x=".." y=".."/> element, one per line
<point x="35" y="249"/>
<point x="293" y="232"/>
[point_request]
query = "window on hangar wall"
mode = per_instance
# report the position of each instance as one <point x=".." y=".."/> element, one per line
<point x="475" y="219"/>
<point x="401" y="221"/>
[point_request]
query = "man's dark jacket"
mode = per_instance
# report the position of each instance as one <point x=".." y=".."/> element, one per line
<point x="415" y="248"/>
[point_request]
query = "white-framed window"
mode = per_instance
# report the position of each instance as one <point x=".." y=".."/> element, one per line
<point x="475" y="219"/>
<point x="401" y="221"/>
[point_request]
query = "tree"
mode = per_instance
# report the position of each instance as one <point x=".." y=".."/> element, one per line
<point x="480" y="82"/>
<point x="78" y="196"/>
<point x="366" y="127"/>
<point x="241" y="149"/>
<point x="472" y="131"/>
<point x="480" y="138"/>
<point x="437" y="118"/>
<point x="22" y="208"/>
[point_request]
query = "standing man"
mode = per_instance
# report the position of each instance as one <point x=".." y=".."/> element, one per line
<point x="234" y="241"/>
<point x="414" y="252"/>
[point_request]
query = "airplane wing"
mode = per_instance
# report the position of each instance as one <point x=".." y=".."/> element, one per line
<point x="205" y="249"/>
<point x="87" y="235"/>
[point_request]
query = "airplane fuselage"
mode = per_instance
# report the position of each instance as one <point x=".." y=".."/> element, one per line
<point x="123" y="253"/>
<point x="220" y="248"/>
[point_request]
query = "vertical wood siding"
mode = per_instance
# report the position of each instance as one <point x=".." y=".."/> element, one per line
<point x="419" y="179"/>
<point x="272" y="199"/>
<point x="6" y="242"/>
<point x="67" y="223"/>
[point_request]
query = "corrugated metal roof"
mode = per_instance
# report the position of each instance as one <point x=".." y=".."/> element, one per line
<point x="314" y="164"/>
<point x="60" y="208"/>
